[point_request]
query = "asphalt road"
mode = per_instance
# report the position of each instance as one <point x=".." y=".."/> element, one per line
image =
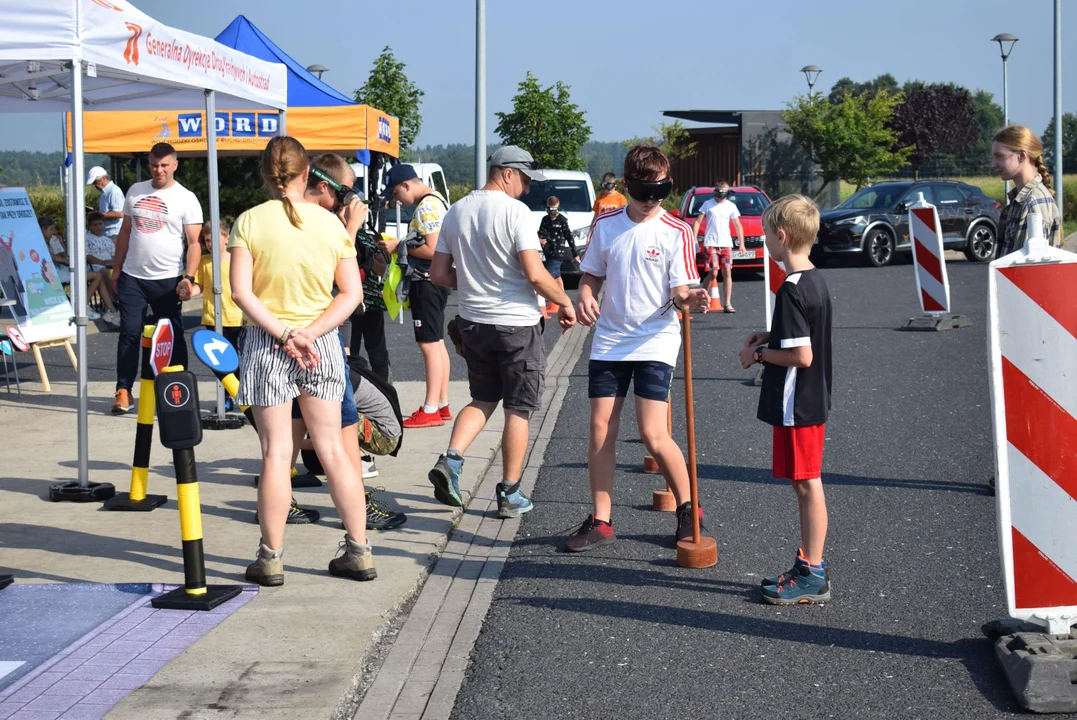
<point x="404" y="354"/>
<point x="623" y="631"/>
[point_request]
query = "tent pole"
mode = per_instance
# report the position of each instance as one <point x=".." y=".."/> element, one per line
<point x="282" y="129"/>
<point x="214" y="224"/>
<point x="77" y="249"/>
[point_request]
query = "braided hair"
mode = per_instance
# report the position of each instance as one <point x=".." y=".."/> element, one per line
<point x="284" y="160"/>
<point x="1020" y="139"/>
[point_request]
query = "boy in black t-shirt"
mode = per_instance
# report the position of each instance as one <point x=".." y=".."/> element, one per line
<point x="795" y="397"/>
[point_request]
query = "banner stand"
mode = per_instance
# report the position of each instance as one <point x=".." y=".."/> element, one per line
<point x="37" y="347"/>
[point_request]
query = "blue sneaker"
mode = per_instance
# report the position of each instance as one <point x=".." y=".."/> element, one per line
<point x="229" y="404"/>
<point x="510" y="506"/>
<point x="805" y="584"/>
<point x="784" y="577"/>
<point x="445" y="477"/>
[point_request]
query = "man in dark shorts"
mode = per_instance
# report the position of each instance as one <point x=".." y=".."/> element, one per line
<point x="489" y="251"/>
<point x="427" y="299"/>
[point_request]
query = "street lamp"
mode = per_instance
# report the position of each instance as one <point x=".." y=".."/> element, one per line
<point x="811" y="74"/>
<point x="318" y="70"/>
<point x="1005" y="42"/>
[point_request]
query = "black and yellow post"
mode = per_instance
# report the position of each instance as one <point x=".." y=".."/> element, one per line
<point x="211" y="421"/>
<point x="176" y="391"/>
<point x="137" y="500"/>
<point x="6" y="580"/>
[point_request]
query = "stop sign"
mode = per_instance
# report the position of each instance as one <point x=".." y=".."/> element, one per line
<point x="161" y="346"/>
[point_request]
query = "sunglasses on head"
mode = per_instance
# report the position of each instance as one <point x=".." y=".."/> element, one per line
<point x="344" y="194"/>
<point x="649" y="190"/>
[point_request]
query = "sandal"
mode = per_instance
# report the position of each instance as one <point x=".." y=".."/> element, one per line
<point x="729" y="309"/>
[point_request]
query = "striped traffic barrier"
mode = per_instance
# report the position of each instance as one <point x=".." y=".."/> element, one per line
<point x="176" y="392"/>
<point x="1032" y="343"/>
<point x="136" y="500"/>
<point x="929" y="261"/>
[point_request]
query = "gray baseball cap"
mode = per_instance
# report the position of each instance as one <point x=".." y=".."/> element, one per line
<point x="510" y="156"/>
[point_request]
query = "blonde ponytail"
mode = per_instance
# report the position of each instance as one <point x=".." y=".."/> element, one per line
<point x="283" y="160"/>
<point x="1021" y="139"/>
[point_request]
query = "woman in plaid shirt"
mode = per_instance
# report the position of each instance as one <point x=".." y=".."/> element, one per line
<point x="1018" y="156"/>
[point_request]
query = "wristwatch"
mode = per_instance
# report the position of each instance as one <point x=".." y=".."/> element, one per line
<point x="189" y="278"/>
<point x="757" y="356"/>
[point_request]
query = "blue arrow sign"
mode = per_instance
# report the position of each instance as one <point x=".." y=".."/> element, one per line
<point x="214" y="351"/>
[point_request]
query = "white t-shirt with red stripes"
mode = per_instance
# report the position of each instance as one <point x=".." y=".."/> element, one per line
<point x="641" y="263"/>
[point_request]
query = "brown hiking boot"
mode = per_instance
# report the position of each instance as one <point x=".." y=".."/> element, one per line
<point x="357" y="561"/>
<point x="268" y="567"/>
<point x="122" y="403"/>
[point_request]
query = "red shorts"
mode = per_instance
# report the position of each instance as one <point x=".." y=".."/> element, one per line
<point x="720" y="257"/>
<point x="798" y="452"/>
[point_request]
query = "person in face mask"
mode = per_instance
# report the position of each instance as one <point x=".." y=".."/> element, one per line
<point x="557" y="243"/>
<point x="609" y="198"/>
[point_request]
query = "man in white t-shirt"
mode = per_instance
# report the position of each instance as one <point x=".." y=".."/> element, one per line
<point x="111" y="202"/>
<point x="720" y="211"/>
<point x="488" y="250"/>
<point x="645" y="258"/>
<point x="157" y="254"/>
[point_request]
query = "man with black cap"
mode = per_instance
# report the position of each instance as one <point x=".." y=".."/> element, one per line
<point x="427" y="299"/>
<point x="489" y="251"/>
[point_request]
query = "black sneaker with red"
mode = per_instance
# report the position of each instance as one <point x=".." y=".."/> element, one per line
<point x="590" y="535"/>
<point x="684" y="521"/>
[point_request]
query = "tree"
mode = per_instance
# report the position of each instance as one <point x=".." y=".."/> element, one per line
<point x="885" y="82"/>
<point x="935" y="119"/>
<point x="546" y="123"/>
<point x="851" y="140"/>
<point x="673" y="140"/>
<point x="388" y="89"/>
<point x="1069" y="145"/>
<point x="987" y="117"/>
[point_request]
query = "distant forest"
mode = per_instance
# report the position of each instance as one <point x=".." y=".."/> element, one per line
<point x="23" y="168"/>
<point x="20" y="168"/>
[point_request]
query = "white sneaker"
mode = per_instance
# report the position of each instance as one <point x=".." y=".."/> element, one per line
<point x="369" y="469"/>
<point x="92" y="314"/>
<point x="112" y="318"/>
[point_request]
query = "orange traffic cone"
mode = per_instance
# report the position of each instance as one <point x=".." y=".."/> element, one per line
<point x="552" y="308"/>
<point x="542" y="308"/>
<point x="716" y="301"/>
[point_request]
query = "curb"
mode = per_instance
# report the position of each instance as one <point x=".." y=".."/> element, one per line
<point x="422" y="670"/>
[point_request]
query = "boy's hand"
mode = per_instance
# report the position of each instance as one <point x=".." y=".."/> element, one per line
<point x="746" y="357"/>
<point x="759" y="337"/>
<point x="566" y="316"/>
<point x="587" y="309"/>
<point x="696" y="299"/>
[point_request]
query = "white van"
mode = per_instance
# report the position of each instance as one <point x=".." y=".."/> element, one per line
<point x="430" y="173"/>
<point x="577" y="195"/>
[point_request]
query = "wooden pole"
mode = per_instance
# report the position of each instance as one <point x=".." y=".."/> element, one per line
<point x="700" y="551"/>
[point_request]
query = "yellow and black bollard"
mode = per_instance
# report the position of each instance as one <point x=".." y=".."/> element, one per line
<point x="176" y="391"/>
<point x="137" y="500"/>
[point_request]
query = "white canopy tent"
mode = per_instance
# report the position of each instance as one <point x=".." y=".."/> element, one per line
<point x="64" y="55"/>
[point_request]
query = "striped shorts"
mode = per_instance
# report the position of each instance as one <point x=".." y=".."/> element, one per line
<point x="268" y="377"/>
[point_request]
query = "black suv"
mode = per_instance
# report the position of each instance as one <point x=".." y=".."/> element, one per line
<point x="875" y="221"/>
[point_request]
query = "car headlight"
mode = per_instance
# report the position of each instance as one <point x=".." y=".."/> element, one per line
<point x="858" y="220"/>
<point x="581" y="234"/>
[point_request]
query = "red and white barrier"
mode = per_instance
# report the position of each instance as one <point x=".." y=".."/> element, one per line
<point x="932" y="284"/>
<point x="1032" y="346"/>
<point x="773" y="277"/>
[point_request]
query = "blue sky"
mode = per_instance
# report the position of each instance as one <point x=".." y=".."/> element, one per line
<point x="628" y="60"/>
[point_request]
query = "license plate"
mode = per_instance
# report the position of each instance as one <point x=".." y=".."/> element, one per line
<point x="746" y="255"/>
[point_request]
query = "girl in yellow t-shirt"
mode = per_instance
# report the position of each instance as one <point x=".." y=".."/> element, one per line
<point x="286" y="255"/>
<point x="231" y="315"/>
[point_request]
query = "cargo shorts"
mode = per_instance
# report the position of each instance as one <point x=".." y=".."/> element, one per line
<point x="505" y="364"/>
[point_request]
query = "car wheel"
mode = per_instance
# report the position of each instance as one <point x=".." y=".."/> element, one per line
<point x="982" y="244"/>
<point x="879" y="247"/>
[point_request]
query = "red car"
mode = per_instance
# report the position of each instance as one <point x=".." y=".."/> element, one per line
<point x="751" y="201"/>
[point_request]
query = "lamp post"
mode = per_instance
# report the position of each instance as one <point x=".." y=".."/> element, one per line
<point x="318" y="70"/>
<point x="811" y="74"/>
<point x="1005" y="42"/>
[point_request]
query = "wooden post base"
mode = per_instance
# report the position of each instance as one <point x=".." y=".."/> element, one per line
<point x="663" y="501"/>
<point x="703" y="554"/>
<point x="650" y="465"/>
